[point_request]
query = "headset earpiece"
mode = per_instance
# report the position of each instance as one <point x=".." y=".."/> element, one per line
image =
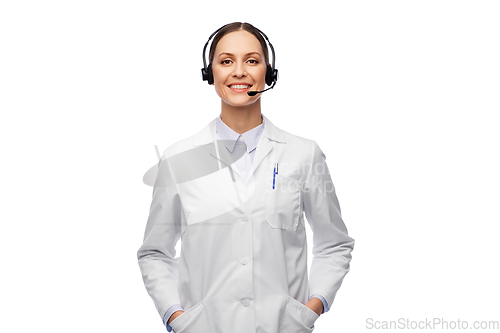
<point x="207" y="74"/>
<point x="271" y="75"/>
<point x="210" y="74"/>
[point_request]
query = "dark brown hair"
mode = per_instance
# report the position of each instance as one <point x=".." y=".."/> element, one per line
<point x="236" y="26"/>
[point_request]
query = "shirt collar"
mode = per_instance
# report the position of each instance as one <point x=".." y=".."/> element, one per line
<point x="230" y="137"/>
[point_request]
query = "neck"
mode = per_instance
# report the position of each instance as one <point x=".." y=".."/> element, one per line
<point x="243" y="118"/>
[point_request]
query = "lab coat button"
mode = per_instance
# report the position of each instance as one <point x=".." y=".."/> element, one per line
<point x="244" y="218"/>
<point x="245" y="302"/>
<point x="244" y="260"/>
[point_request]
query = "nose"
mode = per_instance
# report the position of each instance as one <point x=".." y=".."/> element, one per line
<point x="239" y="70"/>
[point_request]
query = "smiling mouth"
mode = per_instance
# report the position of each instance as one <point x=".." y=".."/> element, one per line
<point x="239" y="86"/>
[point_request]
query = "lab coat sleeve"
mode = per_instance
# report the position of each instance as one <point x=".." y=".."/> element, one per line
<point x="156" y="256"/>
<point x="332" y="245"/>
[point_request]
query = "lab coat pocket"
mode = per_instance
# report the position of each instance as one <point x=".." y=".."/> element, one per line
<point x="193" y="320"/>
<point x="298" y="318"/>
<point x="284" y="203"/>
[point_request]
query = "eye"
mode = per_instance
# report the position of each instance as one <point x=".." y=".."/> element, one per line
<point x="254" y="61"/>
<point x="223" y="62"/>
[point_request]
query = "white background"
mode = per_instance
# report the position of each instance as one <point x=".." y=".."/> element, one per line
<point x="402" y="97"/>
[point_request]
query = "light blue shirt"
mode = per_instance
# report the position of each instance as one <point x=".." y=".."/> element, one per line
<point x="230" y="137"/>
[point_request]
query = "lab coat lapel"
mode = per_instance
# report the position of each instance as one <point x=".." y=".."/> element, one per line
<point x="207" y="136"/>
<point x="269" y="139"/>
<point x="264" y="147"/>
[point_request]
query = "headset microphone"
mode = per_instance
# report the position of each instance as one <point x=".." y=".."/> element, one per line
<point x="253" y="93"/>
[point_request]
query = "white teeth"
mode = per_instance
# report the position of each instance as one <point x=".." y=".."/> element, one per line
<point x="239" y="86"/>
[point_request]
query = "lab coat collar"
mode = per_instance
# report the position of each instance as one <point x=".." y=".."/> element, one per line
<point x="208" y="135"/>
<point x="269" y="136"/>
<point x="231" y="137"/>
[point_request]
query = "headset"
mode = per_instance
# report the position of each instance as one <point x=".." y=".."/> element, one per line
<point x="271" y="72"/>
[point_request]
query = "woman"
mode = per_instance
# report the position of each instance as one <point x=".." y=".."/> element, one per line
<point x="236" y="194"/>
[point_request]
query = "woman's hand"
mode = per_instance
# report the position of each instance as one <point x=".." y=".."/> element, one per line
<point x="174" y="315"/>
<point x="316" y="305"/>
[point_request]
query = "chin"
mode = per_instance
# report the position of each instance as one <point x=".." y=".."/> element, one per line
<point x="247" y="101"/>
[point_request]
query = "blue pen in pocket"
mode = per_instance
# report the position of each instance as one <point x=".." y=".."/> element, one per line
<point x="275" y="172"/>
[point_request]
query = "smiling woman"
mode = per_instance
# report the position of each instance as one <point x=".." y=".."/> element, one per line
<point x="238" y="65"/>
<point x="235" y="194"/>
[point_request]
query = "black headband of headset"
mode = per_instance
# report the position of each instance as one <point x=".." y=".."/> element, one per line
<point x="209" y="38"/>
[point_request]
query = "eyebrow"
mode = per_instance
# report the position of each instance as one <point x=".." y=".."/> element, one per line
<point x="230" y="54"/>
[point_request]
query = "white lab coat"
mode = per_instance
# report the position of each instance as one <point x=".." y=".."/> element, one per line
<point x="243" y="261"/>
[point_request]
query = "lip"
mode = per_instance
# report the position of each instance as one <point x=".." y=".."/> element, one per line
<point x="240" y="90"/>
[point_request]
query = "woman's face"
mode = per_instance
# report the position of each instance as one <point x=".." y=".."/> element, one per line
<point x="238" y="59"/>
